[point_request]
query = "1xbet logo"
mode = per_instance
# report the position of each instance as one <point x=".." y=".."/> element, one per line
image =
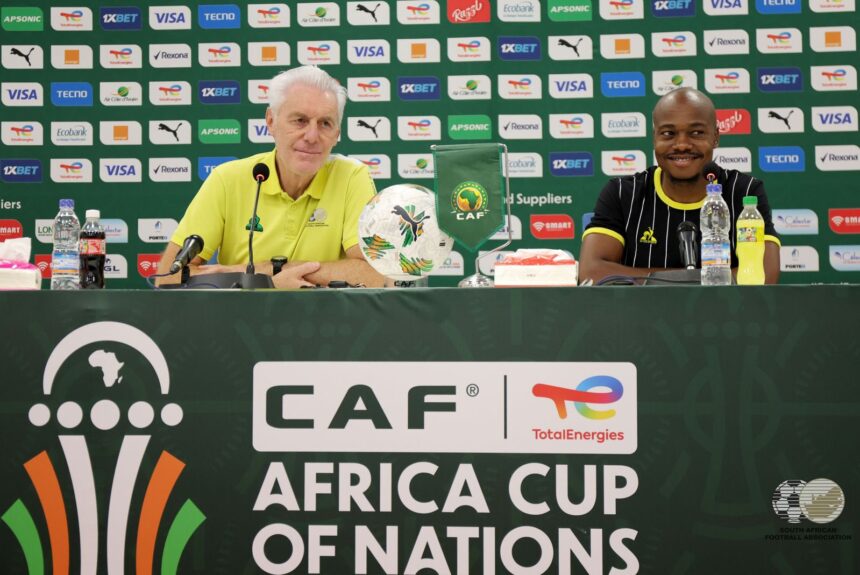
<point x="583" y="395"/>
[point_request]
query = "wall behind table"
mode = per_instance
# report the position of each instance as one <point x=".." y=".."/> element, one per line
<point x="666" y="40"/>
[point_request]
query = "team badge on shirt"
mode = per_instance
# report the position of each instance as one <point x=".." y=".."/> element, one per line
<point x="648" y="237"/>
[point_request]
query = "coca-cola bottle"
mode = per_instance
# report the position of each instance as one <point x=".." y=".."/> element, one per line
<point x="92" y="252"/>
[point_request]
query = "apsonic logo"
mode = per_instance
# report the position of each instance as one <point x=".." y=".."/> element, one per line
<point x="113" y="341"/>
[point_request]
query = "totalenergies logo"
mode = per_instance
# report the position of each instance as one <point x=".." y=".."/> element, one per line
<point x="469" y="47"/>
<point x="320" y="50"/>
<point x="730" y="78"/>
<point x="419" y="10"/>
<point x="222" y="52"/>
<point x="170" y="91"/>
<point x="25" y="131"/>
<point x="675" y="41"/>
<point x="371" y="87"/>
<point x="72" y="16"/>
<point x="780" y="39"/>
<point x="574" y="123"/>
<point x="626" y="160"/>
<point x="270" y="14"/>
<point x="583" y="395"/>
<point x="421" y="126"/>
<point x="622" y="4"/>
<point x="522" y="84"/>
<point x="84" y="501"/>
<point x="837" y="75"/>
<point x="122" y="55"/>
<point x="72" y="168"/>
<point x="372" y="162"/>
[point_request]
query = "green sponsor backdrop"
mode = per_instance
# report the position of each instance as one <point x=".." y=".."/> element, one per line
<point x="747" y="395"/>
<point x="811" y="189"/>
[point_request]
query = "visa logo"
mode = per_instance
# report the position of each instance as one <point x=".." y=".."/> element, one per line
<point x="121" y="18"/>
<point x="218" y="16"/>
<point x="726" y="4"/>
<point x="262" y="130"/>
<point x="20" y="171"/>
<point x="519" y="48"/>
<point x="369" y="51"/>
<point x="780" y="79"/>
<point x="835" y="119"/>
<point x="565" y="164"/>
<point x="22" y="94"/>
<point x="169" y="18"/>
<point x="571" y="85"/>
<point x="781" y="159"/>
<point x="120" y="170"/>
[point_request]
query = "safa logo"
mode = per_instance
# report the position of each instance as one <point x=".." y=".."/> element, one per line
<point x="583" y="395"/>
<point x="219" y="92"/>
<point x="780" y="79"/>
<point x="567" y="164"/>
<point x="127" y="521"/>
<point x="672" y="8"/>
<point x="777" y="6"/>
<point x="218" y="16"/>
<point x="622" y="84"/>
<point x="71" y="94"/>
<point x="15" y="171"/>
<point x="120" y="18"/>
<point x="418" y="88"/>
<point x="519" y="48"/>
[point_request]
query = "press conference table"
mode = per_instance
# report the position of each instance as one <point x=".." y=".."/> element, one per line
<point x="738" y="390"/>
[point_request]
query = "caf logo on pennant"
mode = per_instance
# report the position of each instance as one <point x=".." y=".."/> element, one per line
<point x="469" y="200"/>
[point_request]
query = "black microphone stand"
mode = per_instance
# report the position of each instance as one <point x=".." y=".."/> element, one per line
<point x="250" y="279"/>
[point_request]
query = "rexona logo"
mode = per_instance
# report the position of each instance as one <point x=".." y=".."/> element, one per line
<point x="218" y="16"/>
<point x="169" y="169"/>
<point x="120" y="18"/>
<point x="622" y="84"/>
<point x="170" y="55"/>
<point x="780" y="79"/>
<point x="566" y="164"/>
<point x="781" y="159"/>
<point x="219" y="92"/>
<point x="219" y="131"/>
<point x="56" y="418"/>
<point x="837" y="158"/>
<point x="719" y="42"/>
<point x="120" y="170"/>
<point x="418" y="88"/>
<point x="673" y="8"/>
<point x="471" y="127"/>
<point x="20" y="171"/>
<point x="520" y="126"/>
<point x="739" y="158"/>
<point x="468" y="11"/>
<point x="22" y="19"/>
<point x="569" y="10"/>
<point x="519" y="48"/>
<point x="364" y="406"/>
<point x="169" y="17"/>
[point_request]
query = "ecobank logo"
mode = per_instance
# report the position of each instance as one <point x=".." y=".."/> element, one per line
<point x="102" y="350"/>
<point x="364" y="406"/>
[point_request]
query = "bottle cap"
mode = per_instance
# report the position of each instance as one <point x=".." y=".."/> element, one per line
<point x="67" y="203"/>
<point x="714" y="189"/>
<point x="750" y="201"/>
<point x="93" y="214"/>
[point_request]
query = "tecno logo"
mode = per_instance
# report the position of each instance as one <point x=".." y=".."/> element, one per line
<point x="364" y="406"/>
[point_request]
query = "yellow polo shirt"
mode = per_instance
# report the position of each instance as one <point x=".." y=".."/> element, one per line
<point x="319" y="226"/>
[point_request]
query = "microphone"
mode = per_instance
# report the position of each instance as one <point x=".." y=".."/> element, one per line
<point x="711" y="171"/>
<point x="261" y="174"/>
<point x="192" y="246"/>
<point x="688" y="244"/>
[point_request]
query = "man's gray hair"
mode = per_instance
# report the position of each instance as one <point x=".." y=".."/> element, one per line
<point x="307" y="76"/>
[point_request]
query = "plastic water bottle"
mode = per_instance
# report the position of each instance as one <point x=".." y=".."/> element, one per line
<point x="750" y="244"/>
<point x="93" y="254"/>
<point x="65" y="260"/>
<point x="716" y="249"/>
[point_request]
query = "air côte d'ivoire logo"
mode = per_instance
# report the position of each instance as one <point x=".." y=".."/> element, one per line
<point x="469" y="200"/>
